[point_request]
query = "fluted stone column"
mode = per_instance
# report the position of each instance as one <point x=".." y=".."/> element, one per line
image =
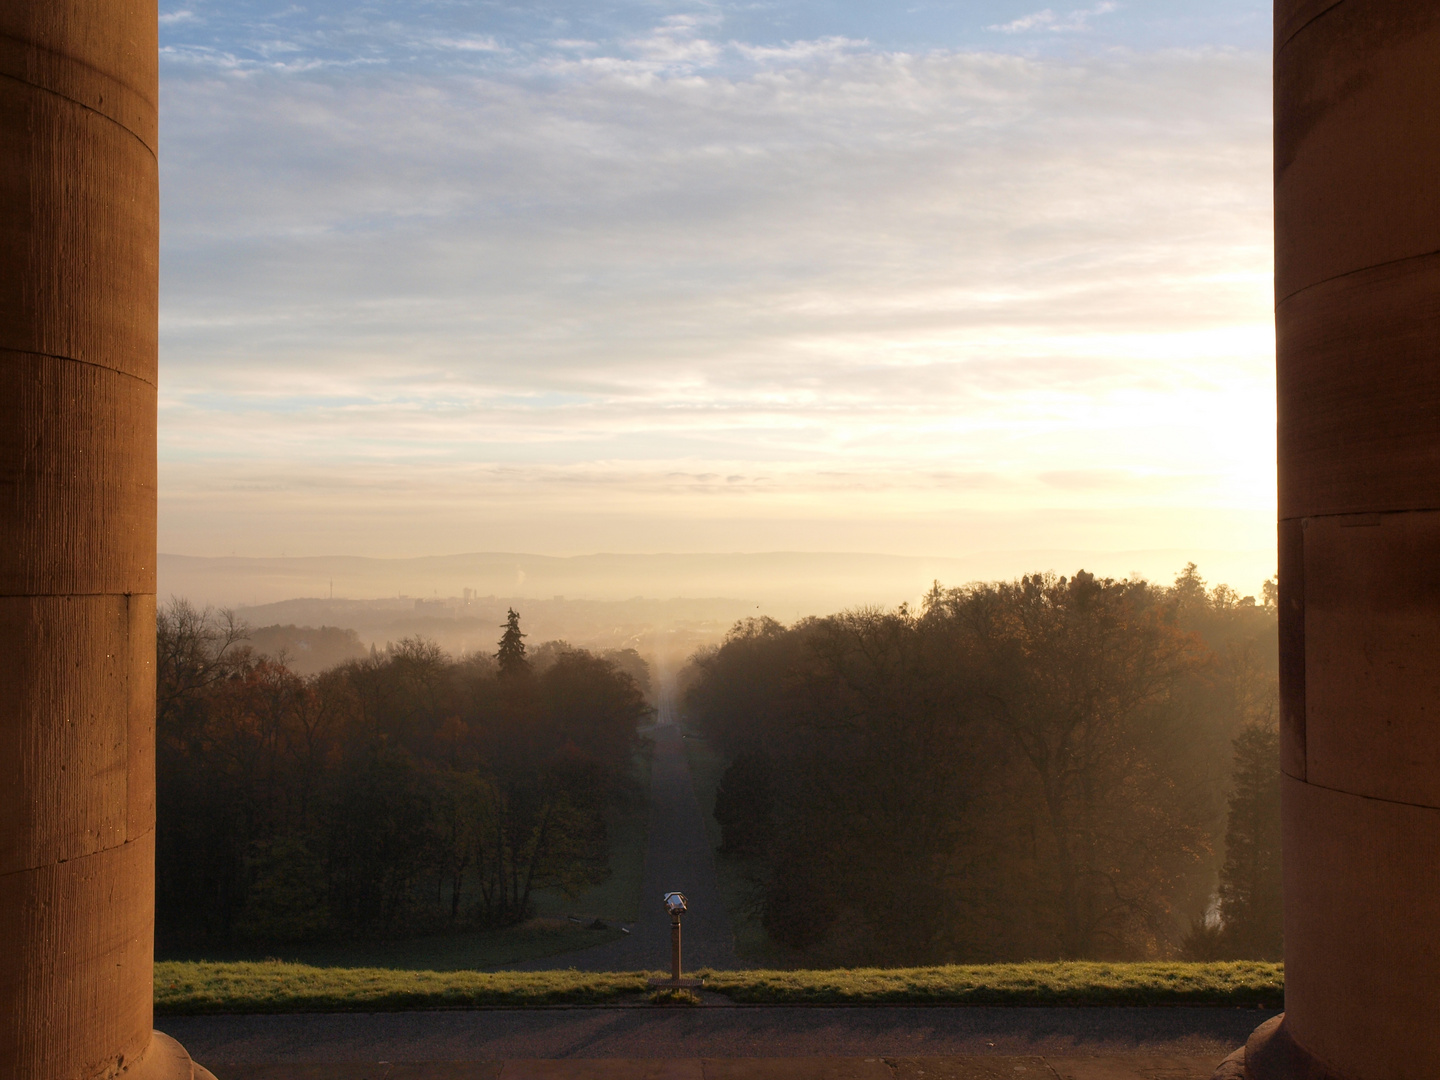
<point x="1357" y="282"/>
<point x="78" y="279"/>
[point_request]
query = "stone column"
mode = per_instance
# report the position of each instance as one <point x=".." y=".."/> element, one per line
<point x="1357" y="289"/>
<point x="78" y="280"/>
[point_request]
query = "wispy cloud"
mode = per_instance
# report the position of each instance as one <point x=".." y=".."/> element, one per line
<point x="482" y="43"/>
<point x="678" y="41"/>
<point x="800" y="51"/>
<point x="1046" y="20"/>
<point x="874" y="285"/>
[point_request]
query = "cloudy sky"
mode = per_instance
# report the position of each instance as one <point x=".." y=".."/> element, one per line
<point x="647" y="275"/>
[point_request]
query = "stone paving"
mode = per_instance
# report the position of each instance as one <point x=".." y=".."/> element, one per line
<point x="1090" y="1043"/>
<point x="1030" y="1067"/>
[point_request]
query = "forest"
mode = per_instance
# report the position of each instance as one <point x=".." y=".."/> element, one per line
<point x="398" y="793"/>
<point x="1046" y="768"/>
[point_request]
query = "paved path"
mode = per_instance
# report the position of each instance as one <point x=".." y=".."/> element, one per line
<point x="1103" y="1067"/>
<point x="712" y="1032"/>
<point x="677" y="856"/>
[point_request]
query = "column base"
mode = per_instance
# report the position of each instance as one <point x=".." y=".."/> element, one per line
<point x="165" y="1059"/>
<point x="1271" y="1054"/>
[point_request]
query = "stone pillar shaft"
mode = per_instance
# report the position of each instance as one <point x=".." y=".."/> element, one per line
<point x="1357" y="284"/>
<point x="78" y="280"/>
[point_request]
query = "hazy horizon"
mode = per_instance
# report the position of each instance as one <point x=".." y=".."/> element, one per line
<point x="787" y="584"/>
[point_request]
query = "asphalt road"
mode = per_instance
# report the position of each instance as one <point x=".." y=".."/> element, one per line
<point x="711" y="1031"/>
<point x="677" y="856"/>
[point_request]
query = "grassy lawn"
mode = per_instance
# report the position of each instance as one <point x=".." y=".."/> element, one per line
<point x="735" y="873"/>
<point x="1076" y="983"/>
<point x="274" y="986"/>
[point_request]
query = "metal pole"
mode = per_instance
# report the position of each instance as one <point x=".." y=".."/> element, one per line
<point x="675" y="948"/>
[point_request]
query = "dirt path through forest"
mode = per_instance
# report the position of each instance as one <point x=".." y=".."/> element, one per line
<point x="677" y="856"/>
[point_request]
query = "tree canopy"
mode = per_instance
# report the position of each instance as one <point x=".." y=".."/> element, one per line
<point x="403" y="792"/>
<point x="1023" y="769"/>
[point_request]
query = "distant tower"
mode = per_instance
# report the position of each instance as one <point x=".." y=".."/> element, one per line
<point x="1357" y="287"/>
<point x="78" y="276"/>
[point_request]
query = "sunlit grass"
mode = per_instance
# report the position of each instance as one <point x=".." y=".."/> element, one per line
<point x="276" y="987"/>
<point x="272" y="986"/>
<point x="1075" y="983"/>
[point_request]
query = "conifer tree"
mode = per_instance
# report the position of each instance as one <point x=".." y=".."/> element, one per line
<point x="512" y="647"/>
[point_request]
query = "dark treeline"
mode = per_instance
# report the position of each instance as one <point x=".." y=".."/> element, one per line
<point x="402" y="792"/>
<point x="1044" y="768"/>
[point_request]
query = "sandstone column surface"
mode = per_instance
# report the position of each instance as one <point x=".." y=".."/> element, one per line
<point x="1357" y="289"/>
<point x="78" y="281"/>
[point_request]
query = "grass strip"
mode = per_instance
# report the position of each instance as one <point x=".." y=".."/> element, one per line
<point x="189" y="987"/>
<point x="1241" y="983"/>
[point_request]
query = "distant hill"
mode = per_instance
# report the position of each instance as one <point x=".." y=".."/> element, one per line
<point x="782" y="582"/>
<point x="323" y="610"/>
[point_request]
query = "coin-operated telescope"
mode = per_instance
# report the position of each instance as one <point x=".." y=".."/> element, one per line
<point x="675" y="906"/>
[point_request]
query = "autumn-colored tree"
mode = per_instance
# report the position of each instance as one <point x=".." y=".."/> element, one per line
<point x="1250" y="884"/>
<point x="1082" y="674"/>
<point x="1023" y="769"/>
<point x="399" y="793"/>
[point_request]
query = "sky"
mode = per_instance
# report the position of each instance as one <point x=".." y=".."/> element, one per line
<point x="442" y="276"/>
